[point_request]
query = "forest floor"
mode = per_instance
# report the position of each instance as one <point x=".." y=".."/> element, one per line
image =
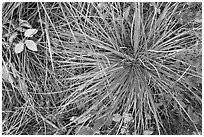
<point x="114" y="68"/>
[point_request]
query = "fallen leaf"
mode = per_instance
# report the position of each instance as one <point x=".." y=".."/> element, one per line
<point x="182" y="104"/>
<point x="192" y="81"/>
<point x="5" y="74"/>
<point x="189" y="3"/>
<point x="31" y="45"/>
<point x="195" y="118"/>
<point x="13" y="68"/>
<point x="126" y="13"/>
<point x="198" y="20"/>
<point x="20" y="29"/>
<point x="119" y="18"/>
<point x="12" y="37"/>
<point x="175" y="105"/>
<point x="179" y="99"/>
<point x="80" y="103"/>
<point x="73" y="118"/>
<point x="194" y="62"/>
<point x="98" y="124"/>
<point x="199" y="69"/>
<point x="100" y="5"/>
<point x="168" y="96"/>
<point x="23" y="86"/>
<point x="117" y="117"/>
<point x="199" y="133"/>
<point x="198" y="17"/>
<point x="84" y="131"/>
<point x="83" y="119"/>
<point x="123" y="131"/>
<point x="140" y="94"/>
<point x="158" y="11"/>
<point x="147" y="116"/>
<point x="147" y="132"/>
<point x="157" y="105"/>
<point x="127" y="117"/>
<point x="109" y="121"/>
<point x="19" y="47"/>
<point x="177" y="63"/>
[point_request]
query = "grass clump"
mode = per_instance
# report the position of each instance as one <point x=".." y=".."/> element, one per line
<point x="103" y="68"/>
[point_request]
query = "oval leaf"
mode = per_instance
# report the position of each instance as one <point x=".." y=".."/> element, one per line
<point x="25" y="24"/>
<point x="31" y="45"/>
<point x="19" y="47"/>
<point x="30" y="32"/>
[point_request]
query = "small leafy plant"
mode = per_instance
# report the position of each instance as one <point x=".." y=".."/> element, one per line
<point x="30" y="44"/>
